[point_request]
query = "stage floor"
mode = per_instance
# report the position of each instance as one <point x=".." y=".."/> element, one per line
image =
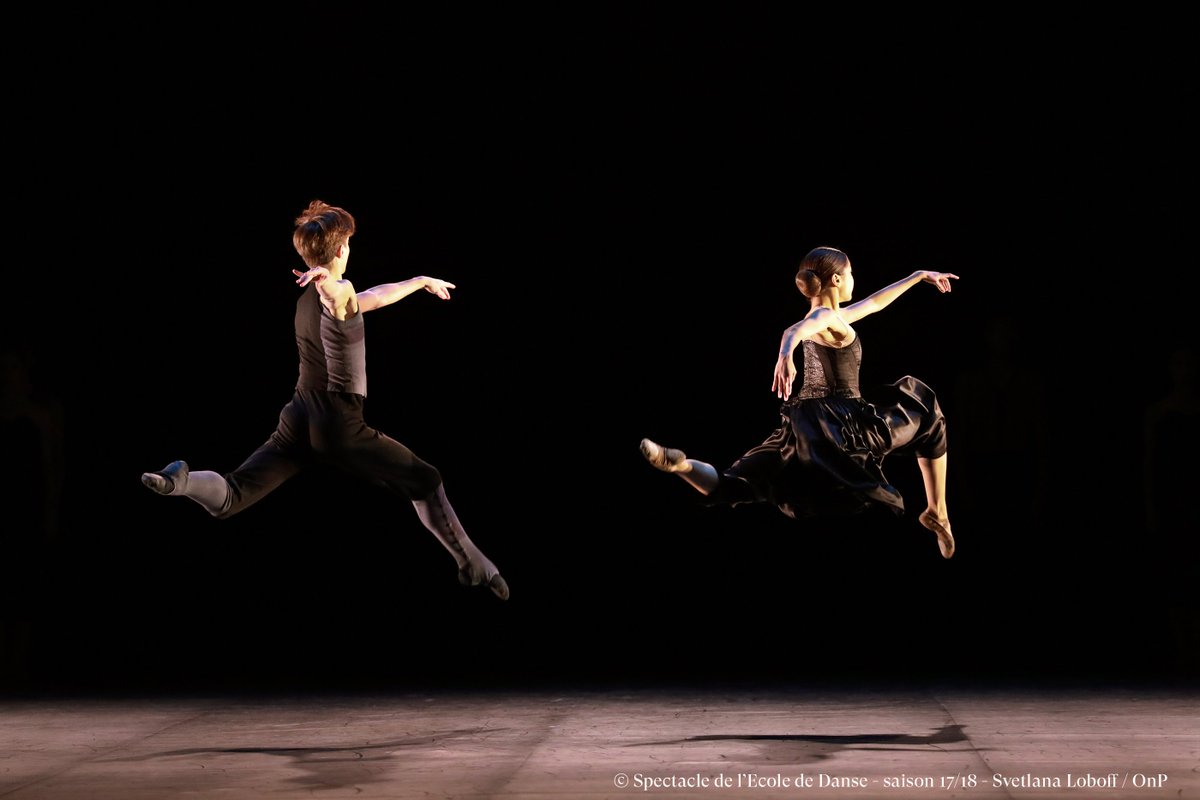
<point x="609" y="743"/>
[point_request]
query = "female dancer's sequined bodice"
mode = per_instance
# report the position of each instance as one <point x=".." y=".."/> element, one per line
<point x="830" y="371"/>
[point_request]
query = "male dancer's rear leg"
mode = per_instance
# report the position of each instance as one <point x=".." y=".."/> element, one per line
<point x="381" y="458"/>
<point x="474" y="568"/>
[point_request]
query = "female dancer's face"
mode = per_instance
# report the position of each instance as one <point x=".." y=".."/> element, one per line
<point x="846" y="290"/>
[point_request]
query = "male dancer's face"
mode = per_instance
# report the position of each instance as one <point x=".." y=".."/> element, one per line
<point x="338" y="266"/>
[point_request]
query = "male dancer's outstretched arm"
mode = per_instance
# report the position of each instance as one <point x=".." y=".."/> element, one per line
<point x="387" y="293"/>
<point x="339" y="295"/>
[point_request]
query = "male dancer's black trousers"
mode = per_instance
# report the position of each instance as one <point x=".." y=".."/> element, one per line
<point x="327" y="427"/>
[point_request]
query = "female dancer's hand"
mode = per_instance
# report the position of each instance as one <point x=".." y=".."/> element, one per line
<point x="785" y="373"/>
<point x="317" y="274"/>
<point x="939" y="279"/>
<point x="439" y="287"/>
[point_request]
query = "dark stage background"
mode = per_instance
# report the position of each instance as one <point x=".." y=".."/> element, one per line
<point x="622" y="199"/>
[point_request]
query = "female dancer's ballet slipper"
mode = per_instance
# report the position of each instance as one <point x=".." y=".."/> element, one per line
<point x="668" y="459"/>
<point x="940" y="526"/>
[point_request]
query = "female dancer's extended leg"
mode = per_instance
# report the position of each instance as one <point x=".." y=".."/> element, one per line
<point x="701" y="475"/>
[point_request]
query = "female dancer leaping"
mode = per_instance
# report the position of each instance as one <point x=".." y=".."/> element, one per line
<point x="827" y="456"/>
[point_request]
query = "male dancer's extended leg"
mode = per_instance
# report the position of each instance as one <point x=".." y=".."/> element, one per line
<point x="222" y="495"/>
<point x="278" y="459"/>
<point x="225" y="495"/>
<point x="207" y="488"/>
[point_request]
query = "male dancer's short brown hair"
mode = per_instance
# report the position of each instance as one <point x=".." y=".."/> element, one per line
<point x="320" y="230"/>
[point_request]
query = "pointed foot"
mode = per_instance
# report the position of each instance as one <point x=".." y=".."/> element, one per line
<point x="497" y="584"/>
<point x="941" y="527"/>
<point x="171" y="479"/>
<point x="668" y="459"/>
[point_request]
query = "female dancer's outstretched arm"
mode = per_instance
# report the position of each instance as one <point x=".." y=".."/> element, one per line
<point x="884" y="297"/>
<point x="836" y="319"/>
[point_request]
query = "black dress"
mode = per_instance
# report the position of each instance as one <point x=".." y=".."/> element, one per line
<point x="827" y="455"/>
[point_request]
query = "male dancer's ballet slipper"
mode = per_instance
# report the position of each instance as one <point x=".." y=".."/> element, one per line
<point x="171" y="479"/>
<point x="668" y="459"/>
<point x="940" y="527"/>
<point x="499" y="586"/>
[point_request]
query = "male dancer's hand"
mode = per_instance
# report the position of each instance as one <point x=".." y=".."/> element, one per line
<point x="439" y="287"/>
<point x="317" y="274"/>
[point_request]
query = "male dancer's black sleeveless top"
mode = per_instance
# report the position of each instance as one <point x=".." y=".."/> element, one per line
<point x="333" y="353"/>
<point x="830" y="371"/>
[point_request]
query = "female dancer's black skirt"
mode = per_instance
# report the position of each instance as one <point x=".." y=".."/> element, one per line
<point x="827" y="455"/>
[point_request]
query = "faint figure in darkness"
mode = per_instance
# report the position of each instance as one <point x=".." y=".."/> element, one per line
<point x="31" y="481"/>
<point x="1001" y="429"/>
<point x="1172" y="441"/>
